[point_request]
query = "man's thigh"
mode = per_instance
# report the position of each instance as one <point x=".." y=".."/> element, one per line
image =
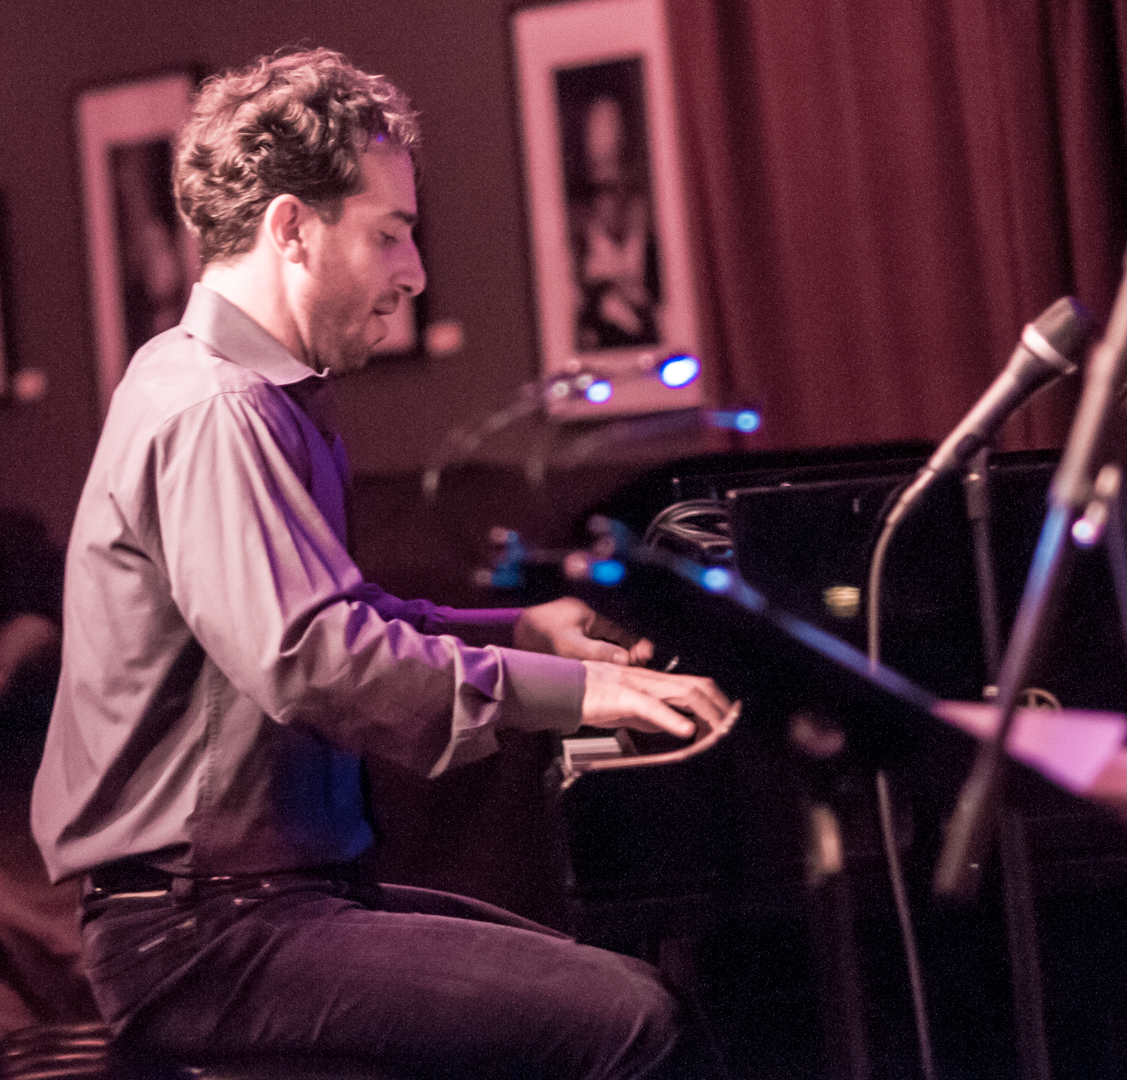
<point x="439" y="983"/>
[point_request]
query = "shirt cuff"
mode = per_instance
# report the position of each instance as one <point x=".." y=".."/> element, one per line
<point x="543" y="693"/>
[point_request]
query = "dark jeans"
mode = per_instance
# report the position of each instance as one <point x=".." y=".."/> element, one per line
<point x="438" y="984"/>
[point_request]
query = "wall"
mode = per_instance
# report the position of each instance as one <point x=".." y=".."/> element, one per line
<point x="452" y="58"/>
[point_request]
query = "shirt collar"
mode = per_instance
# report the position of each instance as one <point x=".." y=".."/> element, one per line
<point x="233" y="334"/>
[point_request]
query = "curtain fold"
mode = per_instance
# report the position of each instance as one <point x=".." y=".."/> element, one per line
<point x="887" y="190"/>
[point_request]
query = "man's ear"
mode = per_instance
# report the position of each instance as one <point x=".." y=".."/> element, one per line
<point x="281" y="225"/>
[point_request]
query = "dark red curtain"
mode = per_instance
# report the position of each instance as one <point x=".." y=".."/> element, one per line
<point x="887" y="190"/>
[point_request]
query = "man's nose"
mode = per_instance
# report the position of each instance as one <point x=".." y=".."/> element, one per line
<point x="411" y="277"/>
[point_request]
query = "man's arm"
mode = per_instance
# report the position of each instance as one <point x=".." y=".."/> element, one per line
<point x="268" y="591"/>
<point x="642" y="699"/>
<point x="564" y="627"/>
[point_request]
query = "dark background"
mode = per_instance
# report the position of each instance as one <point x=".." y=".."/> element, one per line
<point x="883" y="193"/>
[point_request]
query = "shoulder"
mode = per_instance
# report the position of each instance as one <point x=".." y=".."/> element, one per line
<point x="177" y="373"/>
<point x="179" y="392"/>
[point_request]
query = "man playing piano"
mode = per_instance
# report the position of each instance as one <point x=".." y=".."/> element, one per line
<point x="224" y="663"/>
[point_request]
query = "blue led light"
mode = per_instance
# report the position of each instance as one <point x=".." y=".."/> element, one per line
<point x="743" y="420"/>
<point x="747" y="420"/>
<point x="607" y="572"/>
<point x="716" y="579"/>
<point x="679" y="370"/>
<point x="599" y="391"/>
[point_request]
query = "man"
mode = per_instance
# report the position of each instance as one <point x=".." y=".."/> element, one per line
<point x="224" y="663"/>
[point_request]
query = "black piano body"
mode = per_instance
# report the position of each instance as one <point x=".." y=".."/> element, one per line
<point x="727" y="850"/>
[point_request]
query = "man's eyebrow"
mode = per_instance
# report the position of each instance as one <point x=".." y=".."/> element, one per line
<point x="410" y="220"/>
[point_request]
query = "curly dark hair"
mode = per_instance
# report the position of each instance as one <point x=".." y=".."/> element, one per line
<point x="293" y="123"/>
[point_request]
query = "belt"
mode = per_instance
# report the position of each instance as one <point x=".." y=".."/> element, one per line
<point x="138" y="880"/>
<point x="127" y="879"/>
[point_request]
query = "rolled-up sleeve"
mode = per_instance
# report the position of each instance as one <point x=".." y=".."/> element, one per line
<point x="269" y="591"/>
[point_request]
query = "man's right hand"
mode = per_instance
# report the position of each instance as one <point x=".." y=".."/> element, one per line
<point x="645" y="700"/>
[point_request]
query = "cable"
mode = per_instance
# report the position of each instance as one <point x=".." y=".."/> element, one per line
<point x="884" y="798"/>
<point x="876" y="569"/>
<point x="907" y="933"/>
<point x="904" y="499"/>
<point x="699" y="527"/>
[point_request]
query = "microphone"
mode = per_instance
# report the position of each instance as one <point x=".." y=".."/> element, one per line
<point x="1048" y="349"/>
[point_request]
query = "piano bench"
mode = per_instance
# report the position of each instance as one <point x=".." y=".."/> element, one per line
<point x="87" y="1052"/>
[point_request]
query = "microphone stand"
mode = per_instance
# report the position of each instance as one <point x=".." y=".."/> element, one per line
<point x="1072" y="489"/>
<point x="1025" y="960"/>
<point x="976" y="484"/>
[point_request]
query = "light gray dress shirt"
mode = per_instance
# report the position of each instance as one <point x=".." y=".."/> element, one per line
<point x="224" y="662"/>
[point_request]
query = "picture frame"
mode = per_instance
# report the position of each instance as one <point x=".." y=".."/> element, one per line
<point x="142" y="260"/>
<point x="606" y="207"/>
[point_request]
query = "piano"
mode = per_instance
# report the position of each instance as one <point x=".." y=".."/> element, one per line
<point x="763" y="857"/>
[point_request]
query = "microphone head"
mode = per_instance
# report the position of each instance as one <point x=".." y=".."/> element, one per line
<point x="1061" y="332"/>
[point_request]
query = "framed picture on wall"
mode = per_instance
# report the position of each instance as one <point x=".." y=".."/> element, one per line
<point x="142" y="260"/>
<point x="605" y="195"/>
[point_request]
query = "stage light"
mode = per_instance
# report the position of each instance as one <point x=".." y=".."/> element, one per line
<point x="607" y="572"/>
<point x="747" y="420"/>
<point x="599" y="391"/>
<point x="679" y="370"/>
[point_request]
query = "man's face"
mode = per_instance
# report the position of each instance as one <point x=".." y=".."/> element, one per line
<point x="360" y="268"/>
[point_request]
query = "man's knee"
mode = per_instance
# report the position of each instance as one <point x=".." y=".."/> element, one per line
<point x="639" y="1022"/>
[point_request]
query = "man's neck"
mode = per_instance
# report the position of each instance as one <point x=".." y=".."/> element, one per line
<point x="251" y="284"/>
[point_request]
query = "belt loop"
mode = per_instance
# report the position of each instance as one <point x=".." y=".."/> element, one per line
<point x="183" y="890"/>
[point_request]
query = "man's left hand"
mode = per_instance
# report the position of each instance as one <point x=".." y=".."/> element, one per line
<point x="568" y="627"/>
